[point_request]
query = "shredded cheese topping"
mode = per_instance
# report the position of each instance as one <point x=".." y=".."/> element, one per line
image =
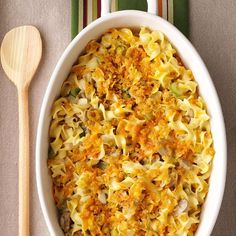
<point x="130" y="141"/>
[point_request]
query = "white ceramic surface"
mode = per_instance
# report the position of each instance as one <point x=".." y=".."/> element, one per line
<point x="191" y="59"/>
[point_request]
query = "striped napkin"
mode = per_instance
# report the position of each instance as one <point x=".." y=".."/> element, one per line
<point x="84" y="12"/>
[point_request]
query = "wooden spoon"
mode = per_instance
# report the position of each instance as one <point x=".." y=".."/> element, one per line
<point x="21" y="52"/>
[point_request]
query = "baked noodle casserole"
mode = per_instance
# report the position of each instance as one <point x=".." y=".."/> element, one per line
<point x="131" y="148"/>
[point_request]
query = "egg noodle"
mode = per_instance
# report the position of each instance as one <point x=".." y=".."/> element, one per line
<point x="130" y="142"/>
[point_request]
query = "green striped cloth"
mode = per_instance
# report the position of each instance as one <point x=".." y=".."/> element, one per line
<point x="84" y="12"/>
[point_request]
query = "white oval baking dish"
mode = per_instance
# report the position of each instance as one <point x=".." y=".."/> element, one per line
<point x="191" y="59"/>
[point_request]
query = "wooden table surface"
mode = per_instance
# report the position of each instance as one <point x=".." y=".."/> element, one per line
<point x="213" y="32"/>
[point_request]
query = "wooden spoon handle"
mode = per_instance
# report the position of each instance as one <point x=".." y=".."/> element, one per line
<point x="23" y="162"/>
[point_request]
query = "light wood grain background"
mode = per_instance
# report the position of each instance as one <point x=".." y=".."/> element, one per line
<point x="213" y="32"/>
